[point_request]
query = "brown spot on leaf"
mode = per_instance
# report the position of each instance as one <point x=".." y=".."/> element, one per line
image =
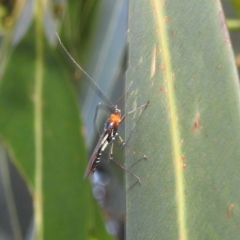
<point x="238" y="60"/>
<point x="196" y="123"/>
<point x="182" y="160"/>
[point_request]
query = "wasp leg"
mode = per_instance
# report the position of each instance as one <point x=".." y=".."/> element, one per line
<point x="110" y="157"/>
<point x="128" y="171"/>
<point x="125" y="93"/>
<point x="123" y="144"/>
<point x="121" y="165"/>
<point x="134" y="110"/>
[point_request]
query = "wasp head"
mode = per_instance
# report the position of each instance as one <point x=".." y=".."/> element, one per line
<point x="115" y="110"/>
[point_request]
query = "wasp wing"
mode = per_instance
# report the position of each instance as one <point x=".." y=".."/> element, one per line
<point x="94" y="156"/>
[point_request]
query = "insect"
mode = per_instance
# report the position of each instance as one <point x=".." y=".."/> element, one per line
<point x="110" y="126"/>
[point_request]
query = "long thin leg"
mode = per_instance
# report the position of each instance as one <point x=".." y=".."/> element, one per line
<point x="134" y="110"/>
<point x="123" y="144"/>
<point x="110" y="157"/>
<point x="128" y="171"/>
<point x="127" y="90"/>
<point x="121" y="165"/>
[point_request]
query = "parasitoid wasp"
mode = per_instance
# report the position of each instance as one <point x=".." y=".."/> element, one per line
<point x="110" y="127"/>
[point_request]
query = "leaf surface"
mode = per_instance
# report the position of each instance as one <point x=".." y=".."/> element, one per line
<point x="181" y="60"/>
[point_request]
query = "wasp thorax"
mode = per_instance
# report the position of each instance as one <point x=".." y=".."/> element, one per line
<point x="108" y="125"/>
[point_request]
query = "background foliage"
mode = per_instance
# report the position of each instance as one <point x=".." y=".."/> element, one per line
<point x="45" y="136"/>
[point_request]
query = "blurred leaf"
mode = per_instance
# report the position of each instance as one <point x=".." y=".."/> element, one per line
<point x="181" y="60"/>
<point x="7" y="193"/>
<point x="236" y="4"/>
<point x="54" y="11"/>
<point x="60" y="194"/>
<point x="79" y="26"/>
<point x="41" y="129"/>
<point x="23" y="18"/>
<point x="16" y="17"/>
<point x="233" y="24"/>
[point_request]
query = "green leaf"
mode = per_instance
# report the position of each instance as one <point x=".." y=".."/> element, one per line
<point x="236" y="4"/>
<point x="181" y="60"/>
<point x="233" y="24"/>
<point x="41" y="129"/>
<point x="54" y="169"/>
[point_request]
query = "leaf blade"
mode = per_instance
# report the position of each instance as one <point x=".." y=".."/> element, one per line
<point x="186" y="97"/>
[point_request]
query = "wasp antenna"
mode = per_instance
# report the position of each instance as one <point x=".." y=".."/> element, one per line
<point x="125" y="93"/>
<point x="79" y="67"/>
